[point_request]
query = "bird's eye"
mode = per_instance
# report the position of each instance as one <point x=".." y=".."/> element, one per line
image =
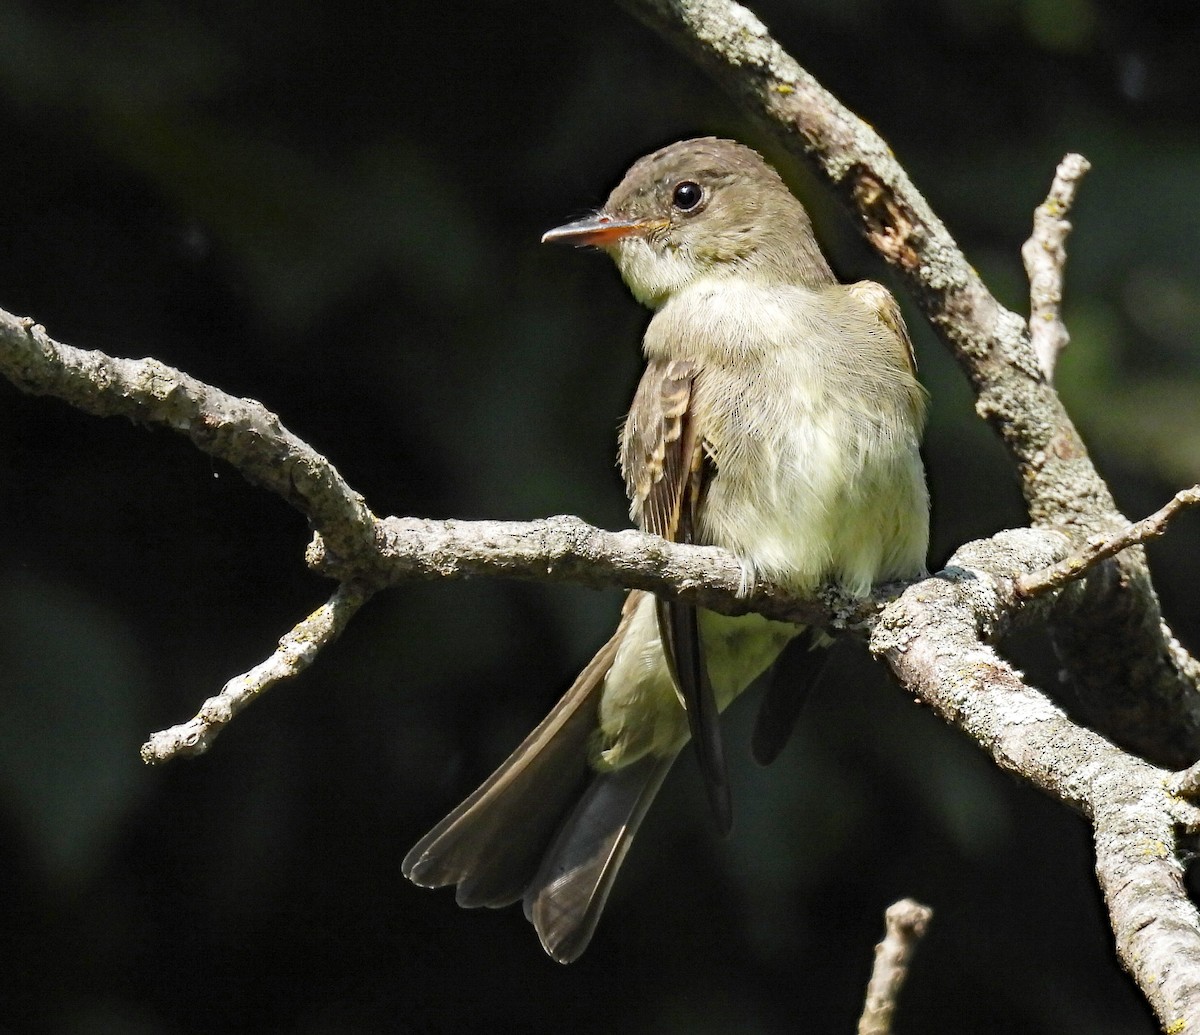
<point x="687" y="196"/>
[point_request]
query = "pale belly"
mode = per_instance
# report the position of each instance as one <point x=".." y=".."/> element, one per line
<point x="817" y="526"/>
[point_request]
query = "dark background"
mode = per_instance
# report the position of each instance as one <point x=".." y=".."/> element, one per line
<point x="335" y="209"/>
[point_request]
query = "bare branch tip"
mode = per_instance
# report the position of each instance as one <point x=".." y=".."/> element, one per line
<point x="1045" y="258"/>
<point x="298" y="648"/>
<point x="1099" y="548"/>
<point x="188" y="739"/>
<point x="1073" y="166"/>
<point x="910" y="916"/>
<point x="906" y="922"/>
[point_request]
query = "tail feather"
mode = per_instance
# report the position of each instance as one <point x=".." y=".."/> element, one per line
<point x="795" y="673"/>
<point x="567" y="896"/>
<point x="544" y="826"/>
<point x="492" y="845"/>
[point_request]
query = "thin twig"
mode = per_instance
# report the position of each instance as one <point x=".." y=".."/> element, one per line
<point x="296" y="651"/>
<point x="1100" y="548"/>
<point x="906" y="922"/>
<point x="1045" y="258"/>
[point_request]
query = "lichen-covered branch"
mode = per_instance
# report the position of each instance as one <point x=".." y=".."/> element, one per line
<point x="1137" y="826"/>
<point x="1045" y="258"/>
<point x="297" y="649"/>
<point x="905" y="924"/>
<point x="566" y="549"/>
<point x="930" y="637"/>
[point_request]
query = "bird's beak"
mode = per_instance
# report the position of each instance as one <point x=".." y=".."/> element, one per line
<point x="599" y="230"/>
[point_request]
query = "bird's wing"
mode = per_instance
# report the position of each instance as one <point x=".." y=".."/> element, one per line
<point x="880" y="301"/>
<point x="665" y="466"/>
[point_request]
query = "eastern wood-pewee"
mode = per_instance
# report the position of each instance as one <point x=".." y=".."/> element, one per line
<point x="779" y="416"/>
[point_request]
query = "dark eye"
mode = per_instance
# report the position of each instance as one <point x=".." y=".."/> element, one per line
<point x="687" y="195"/>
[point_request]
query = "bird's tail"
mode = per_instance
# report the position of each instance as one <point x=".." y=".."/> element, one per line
<point x="567" y="896"/>
<point x="544" y="826"/>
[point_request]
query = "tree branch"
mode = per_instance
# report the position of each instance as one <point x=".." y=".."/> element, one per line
<point x="1045" y="258"/>
<point x="1099" y="548"/>
<point x="930" y="638"/>
<point x="242" y="432"/>
<point x="906" y="922"/>
<point x="296" y="651"/>
<point x="566" y="549"/>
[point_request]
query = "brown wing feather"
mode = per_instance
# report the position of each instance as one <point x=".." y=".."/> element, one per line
<point x="663" y="458"/>
<point x="659" y="444"/>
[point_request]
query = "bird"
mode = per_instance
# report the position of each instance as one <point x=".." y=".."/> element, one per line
<point x="779" y="416"/>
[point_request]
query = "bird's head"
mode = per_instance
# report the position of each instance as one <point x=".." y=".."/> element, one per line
<point x="696" y="210"/>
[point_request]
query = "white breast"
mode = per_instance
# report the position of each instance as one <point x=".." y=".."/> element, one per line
<point x="808" y="417"/>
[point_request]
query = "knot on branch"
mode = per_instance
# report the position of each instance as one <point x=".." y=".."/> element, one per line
<point x="892" y="225"/>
